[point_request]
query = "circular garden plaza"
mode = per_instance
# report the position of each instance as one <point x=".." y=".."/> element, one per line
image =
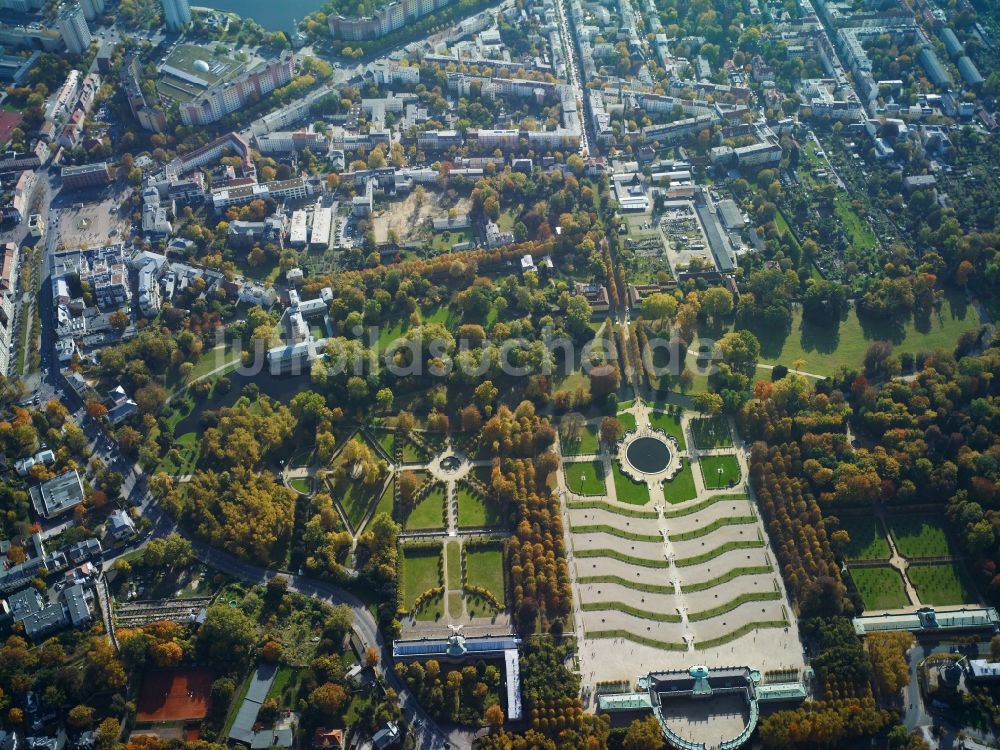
<point x="674" y="581"/>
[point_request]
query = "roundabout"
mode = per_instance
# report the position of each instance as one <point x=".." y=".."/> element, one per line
<point x="649" y="455"/>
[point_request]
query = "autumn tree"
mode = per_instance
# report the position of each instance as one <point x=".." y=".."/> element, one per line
<point x="610" y="430"/>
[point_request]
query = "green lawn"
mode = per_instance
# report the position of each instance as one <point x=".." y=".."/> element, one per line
<point x="880" y="587"/>
<point x="585" y="478"/>
<point x="628" y="491"/>
<point x="710" y="466"/>
<point x="941" y="584"/>
<point x="868" y="541"/>
<point x="474" y="511"/>
<point x="627" y="421"/>
<point x="825" y="348"/>
<point x="387" y="440"/>
<point x="711" y="432"/>
<point x="453" y="564"/>
<point x="432" y="610"/>
<point x="419" y="572"/>
<point x="670" y="424"/>
<point x="187" y="455"/>
<point x="858" y="233"/>
<point x="919" y="536"/>
<point x="681" y="488"/>
<point x="399" y="327"/>
<point x="428" y="513"/>
<point x="386" y="502"/>
<point x="220" y="356"/>
<point x="585" y="446"/>
<point x="355" y="498"/>
<point x="455" y="604"/>
<point x="484" y="568"/>
<point x="302" y="485"/>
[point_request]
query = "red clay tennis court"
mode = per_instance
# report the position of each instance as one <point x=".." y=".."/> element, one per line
<point x="174" y="695"/>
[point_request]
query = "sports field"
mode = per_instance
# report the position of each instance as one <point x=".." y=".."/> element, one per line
<point x="174" y="695"/>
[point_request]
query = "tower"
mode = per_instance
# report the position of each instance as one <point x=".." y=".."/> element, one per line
<point x="92" y="9"/>
<point x="73" y="27"/>
<point x="177" y="14"/>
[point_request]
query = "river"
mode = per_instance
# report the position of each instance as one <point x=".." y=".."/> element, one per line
<point x="273" y="15"/>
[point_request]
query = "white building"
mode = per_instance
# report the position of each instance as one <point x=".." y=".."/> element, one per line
<point x="92" y="9"/>
<point x="72" y="25"/>
<point x="177" y="14"/>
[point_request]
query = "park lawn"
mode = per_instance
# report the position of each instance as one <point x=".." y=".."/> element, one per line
<point x="387" y="501"/>
<point x="432" y="609"/>
<point x="355" y="498"/>
<point x="187" y="447"/>
<point x="628" y="491"/>
<point x="473" y="510"/>
<point x="419" y="571"/>
<point x="585" y="446"/>
<point x="880" y="587"/>
<point x="453" y="564"/>
<point x="868" y="541"/>
<point x="398" y="327"/>
<point x="919" y="536"/>
<point x="627" y="421"/>
<point x="302" y="485"/>
<point x="484" y="568"/>
<point x="711" y="432"/>
<point x="387" y="440"/>
<point x="428" y="513"/>
<point x="670" y="424"/>
<point x="857" y="232"/>
<point x="825" y="348"/>
<point x="585" y="478"/>
<point x="507" y="218"/>
<point x="455" y="604"/>
<point x="220" y="356"/>
<point x="710" y="466"/>
<point x="941" y="584"/>
<point x="681" y="488"/>
<point x="444" y="240"/>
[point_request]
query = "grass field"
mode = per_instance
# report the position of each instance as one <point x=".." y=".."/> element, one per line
<point x="453" y="565"/>
<point x="710" y="466"/>
<point x="940" y="584"/>
<point x="670" y="424"/>
<point x="880" y="587"/>
<point x="681" y="488"/>
<point x="711" y="432"/>
<point x="302" y="485"/>
<point x="628" y="491"/>
<point x="419" y="571"/>
<point x="355" y="498"/>
<point x="868" y="542"/>
<point x="386" y="502"/>
<point x="919" y="536"/>
<point x="433" y="609"/>
<point x="474" y="511"/>
<point x="627" y="421"/>
<point x="585" y="446"/>
<point x="825" y="348"/>
<point x="186" y="458"/>
<point x="586" y="478"/>
<point x="484" y="568"/>
<point x="428" y="513"/>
